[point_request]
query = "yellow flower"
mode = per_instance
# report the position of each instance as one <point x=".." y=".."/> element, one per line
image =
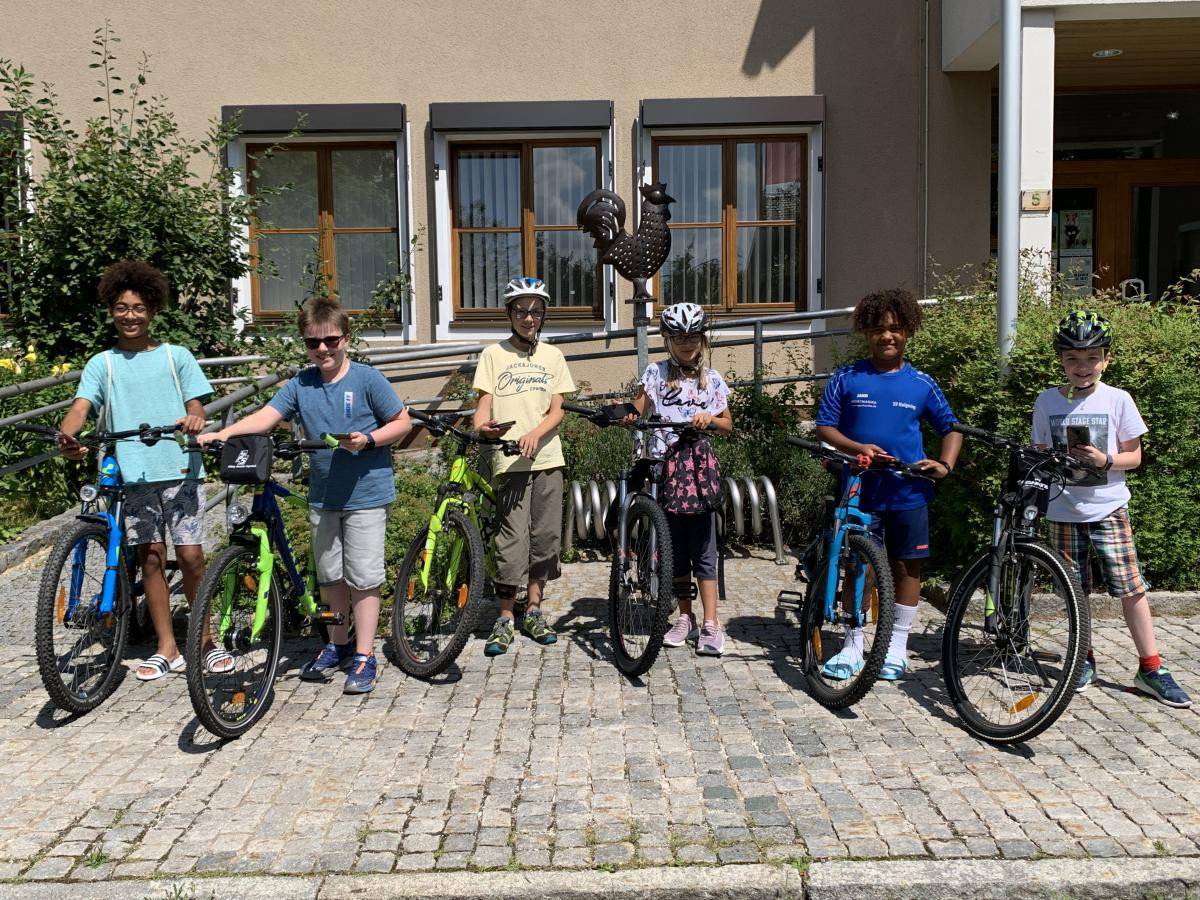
<point x="6" y="363"/>
<point x="31" y="357"/>
<point x="60" y="369"/>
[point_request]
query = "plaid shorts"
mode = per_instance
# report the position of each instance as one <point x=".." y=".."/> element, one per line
<point x="1111" y="540"/>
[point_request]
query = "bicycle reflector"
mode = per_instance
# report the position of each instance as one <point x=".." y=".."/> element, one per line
<point x="88" y="493"/>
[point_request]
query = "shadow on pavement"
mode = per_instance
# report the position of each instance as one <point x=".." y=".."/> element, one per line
<point x="50" y="716"/>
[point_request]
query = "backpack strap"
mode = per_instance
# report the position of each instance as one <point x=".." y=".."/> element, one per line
<point x="109" y="382"/>
<point x="174" y="374"/>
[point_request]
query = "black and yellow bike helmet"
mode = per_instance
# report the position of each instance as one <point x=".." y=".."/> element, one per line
<point x="1082" y="330"/>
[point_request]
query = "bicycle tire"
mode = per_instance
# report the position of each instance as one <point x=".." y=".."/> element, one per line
<point x="228" y="703"/>
<point x="966" y="642"/>
<point x="839" y="694"/>
<point x="103" y="675"/>
<point x="427" y="641"/>
<point x="638" y="618"/>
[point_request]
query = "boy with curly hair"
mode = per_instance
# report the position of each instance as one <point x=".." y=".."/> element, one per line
<point x="874" y="407"/>
<point x="143" y="381"/>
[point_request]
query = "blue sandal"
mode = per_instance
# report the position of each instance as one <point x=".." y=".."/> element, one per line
<point x="843" y="665"/>
<point x="894" y="668"/>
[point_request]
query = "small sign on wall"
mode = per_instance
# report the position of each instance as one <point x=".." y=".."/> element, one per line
<point x="1035" y="201"/>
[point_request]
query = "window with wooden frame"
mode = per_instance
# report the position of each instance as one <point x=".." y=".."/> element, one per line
<point x="739" y="226"/>
<point x="513" y="208"/>
<point x="336" y="215"/>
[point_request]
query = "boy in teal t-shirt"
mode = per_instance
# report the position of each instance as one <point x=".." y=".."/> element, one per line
<point x="142" y="381"/>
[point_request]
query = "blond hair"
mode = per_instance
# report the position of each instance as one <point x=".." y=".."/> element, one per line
<point x="675" y="373"/>
<point x="322" y="311"/>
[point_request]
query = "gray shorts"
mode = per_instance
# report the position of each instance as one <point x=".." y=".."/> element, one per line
<point x="155" y="508"/>
<point x="348" y="546"/>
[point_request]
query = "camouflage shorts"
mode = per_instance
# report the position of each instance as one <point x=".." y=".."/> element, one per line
<point x="158" y="507"/>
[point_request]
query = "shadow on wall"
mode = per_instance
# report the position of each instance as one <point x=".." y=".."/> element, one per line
<point x="777" y="31"/>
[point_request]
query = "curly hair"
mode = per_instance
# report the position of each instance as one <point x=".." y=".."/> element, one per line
<point x="322" y="311"/>
<point x="137" y="276"/>
<point x="900" y="303"/>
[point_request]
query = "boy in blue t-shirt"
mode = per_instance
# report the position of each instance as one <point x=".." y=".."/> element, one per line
<point x="875" y="407"/>
<point x="142" y="381"/>
<point x="349" y="489"/>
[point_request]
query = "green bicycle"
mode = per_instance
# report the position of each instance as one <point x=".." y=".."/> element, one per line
<point x="441" y="581"/>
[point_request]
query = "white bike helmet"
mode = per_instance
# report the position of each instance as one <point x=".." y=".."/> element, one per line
<point x="682" y="318"/>
<point x="526" y="286"/>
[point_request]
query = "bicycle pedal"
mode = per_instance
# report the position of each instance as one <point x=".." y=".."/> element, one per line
<point x="800" y="575"/>
<point x="325" y="617"/>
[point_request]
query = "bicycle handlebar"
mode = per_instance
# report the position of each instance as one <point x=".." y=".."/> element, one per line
<point x="1047" y="455"/>
<point x="281" y="447"/>
<point x="602" y="419"/>
<point x="877" y="463"/>
<point x="147" y="434"/>
<point x="440" y="425"/>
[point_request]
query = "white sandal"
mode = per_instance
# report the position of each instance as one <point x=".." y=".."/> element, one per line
<point x="218" y="661"/>
<point x="161" y="667"/>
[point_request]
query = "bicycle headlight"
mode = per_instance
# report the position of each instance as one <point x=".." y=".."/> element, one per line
<point x="88" y="493"/>
<point x="1030" y="513"/>
<point x="236" y="515"/>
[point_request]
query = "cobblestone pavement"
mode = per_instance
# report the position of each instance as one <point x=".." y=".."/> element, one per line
<point x="546" y="758"/>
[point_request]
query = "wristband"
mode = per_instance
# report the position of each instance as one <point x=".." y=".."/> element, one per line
<point x="949" y="468"/>
<point x="1108" y="462"/>
<point x="370" y="442"/>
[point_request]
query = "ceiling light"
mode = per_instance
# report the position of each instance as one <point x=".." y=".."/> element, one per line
<point x="1107" y="54"/>
<point x="1173" y="115"/>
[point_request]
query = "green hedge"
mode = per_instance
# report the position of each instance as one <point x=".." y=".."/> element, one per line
<point x="1156" y="357"/>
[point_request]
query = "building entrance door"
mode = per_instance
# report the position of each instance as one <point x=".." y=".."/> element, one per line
<point x="1130" y="224"/>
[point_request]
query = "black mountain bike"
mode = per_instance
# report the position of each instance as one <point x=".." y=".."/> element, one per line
<point x="1017" y="623"/>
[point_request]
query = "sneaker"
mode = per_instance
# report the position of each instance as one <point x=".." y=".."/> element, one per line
<point x="1086" y="676"/>
<point x="711" y="641"/>
<point x="1162" y="687"/>
<point x="331" y="658"/>
<point x="684" y="630"/>
<point x="362" y="675"/>
<point x="843" y="664"/>
<point x="500" y="638"/>
<point x="533" y="624"/>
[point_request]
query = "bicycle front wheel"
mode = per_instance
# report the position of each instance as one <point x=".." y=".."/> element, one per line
<point x="640" y="590"/>
<point x="232" y="645"/>
<point x="844" y="652"/>
<point x="1011" y="661"/>
<point x="432" y="617"/>
<point x="80" y="647"/>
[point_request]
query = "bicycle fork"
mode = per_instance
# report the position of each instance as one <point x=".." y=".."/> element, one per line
<point x="264" y="565"/>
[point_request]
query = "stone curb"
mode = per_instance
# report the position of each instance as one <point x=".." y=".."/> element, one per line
<point x="34" y="538"/>
<point x="1080" y="879"/>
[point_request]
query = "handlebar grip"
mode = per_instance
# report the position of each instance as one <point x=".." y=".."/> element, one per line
<point x="811" y="446"/>
<point x="313" y="445"/>
<point x="972" y="431"/>
<point x="578" y="409"/>
<point x="329" y="441"/>
<point x="418" y="415"/>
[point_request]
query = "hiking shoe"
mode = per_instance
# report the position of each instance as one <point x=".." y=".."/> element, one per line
<point x="711" y="641"/>
<point x="684" y="630"/>
<point x="1162" y="687"/>
<point x="500" y="638"/>
<point x="1086" y="676"/>
<point x="533" y="624"/>
<point x="362" y="675"/>
<point x="331" y="658"/>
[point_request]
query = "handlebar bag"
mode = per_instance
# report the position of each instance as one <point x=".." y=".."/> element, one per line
<point x="246" y="459"/>
<point x="692" y="483"/>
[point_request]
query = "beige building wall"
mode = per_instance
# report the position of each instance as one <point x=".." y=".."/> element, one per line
<point x="871" y="59"/>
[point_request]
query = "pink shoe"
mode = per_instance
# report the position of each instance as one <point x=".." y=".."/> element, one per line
<point x="711" y="641"/>
<point x="682" y="631"/>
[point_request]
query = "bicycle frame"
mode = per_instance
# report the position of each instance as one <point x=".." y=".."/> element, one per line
<point x="110" y="483"/>
<point x="843" y="519"/>
<point x="643" y="467"/>
<point x="466" y="490"/>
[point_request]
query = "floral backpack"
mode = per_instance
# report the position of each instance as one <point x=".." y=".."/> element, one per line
<point x="692" y="483"/>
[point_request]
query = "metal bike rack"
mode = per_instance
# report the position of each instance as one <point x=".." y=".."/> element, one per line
<point x="588" y="503"/>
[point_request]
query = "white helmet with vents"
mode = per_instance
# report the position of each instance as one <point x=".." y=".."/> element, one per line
<point x="526" y="286"/>
<point x="682" y="318"/>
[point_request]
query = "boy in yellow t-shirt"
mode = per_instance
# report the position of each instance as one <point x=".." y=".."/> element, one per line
<point x="521" y="383"/>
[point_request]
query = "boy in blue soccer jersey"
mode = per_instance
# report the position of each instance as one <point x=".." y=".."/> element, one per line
<point x="875" y="407"/>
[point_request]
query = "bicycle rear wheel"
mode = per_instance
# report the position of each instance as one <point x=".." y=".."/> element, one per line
<point x="1011" y="662"/>
<point x="837" y="675"/>
<point x="640" y="591"/>
<point x="432" y="619"/>
<point x="79" y="649"/>
<point x="231" y="689"/>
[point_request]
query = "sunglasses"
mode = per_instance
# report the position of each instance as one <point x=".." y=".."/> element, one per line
<point x="537" y="314"/>
<point x="315" y="343"/>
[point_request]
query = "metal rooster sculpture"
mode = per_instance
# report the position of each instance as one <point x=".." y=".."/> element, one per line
<point x="636" y="256"/>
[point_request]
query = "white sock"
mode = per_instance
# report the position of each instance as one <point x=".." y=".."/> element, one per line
<point x="853" y="644"/>
<point x="904" y="619"/>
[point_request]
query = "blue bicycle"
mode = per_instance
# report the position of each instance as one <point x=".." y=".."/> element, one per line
<point x="846" y="566"/>
<point x="86" y="599"/>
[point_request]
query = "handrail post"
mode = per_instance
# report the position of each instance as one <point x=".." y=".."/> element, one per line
<point x="758" y="356"/>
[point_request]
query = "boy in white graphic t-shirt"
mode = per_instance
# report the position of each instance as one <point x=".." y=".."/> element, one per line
<point x="1100" y="424"/>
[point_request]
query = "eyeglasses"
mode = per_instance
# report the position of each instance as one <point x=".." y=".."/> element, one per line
<point x="122" y="310"/>
<point x="536" y="314"/>
<point x="686" y="339"/>
<point x="315" y="343"/>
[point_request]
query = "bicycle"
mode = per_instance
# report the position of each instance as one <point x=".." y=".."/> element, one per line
<point x="236" y="628"/>
<point x="1017" y="623"/>
<point x="89" y="585"/>
<point x="641" y="591"/>
<point x="441" y="581"/>
<point x="861" y="578"/>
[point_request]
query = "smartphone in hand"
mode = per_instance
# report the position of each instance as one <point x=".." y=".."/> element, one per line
<point x="1078" y="435"/>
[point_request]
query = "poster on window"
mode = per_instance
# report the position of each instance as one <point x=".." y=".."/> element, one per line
<point x="1075" y="231"/>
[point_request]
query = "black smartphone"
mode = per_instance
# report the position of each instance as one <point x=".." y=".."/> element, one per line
<point x="339" y="436"/>
<point x="1078" y="435"/>
<point x="501" y="426"/>
<point x="618" y="411"/>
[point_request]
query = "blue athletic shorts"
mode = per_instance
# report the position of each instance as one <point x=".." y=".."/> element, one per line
<point x="904" y="532"/>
